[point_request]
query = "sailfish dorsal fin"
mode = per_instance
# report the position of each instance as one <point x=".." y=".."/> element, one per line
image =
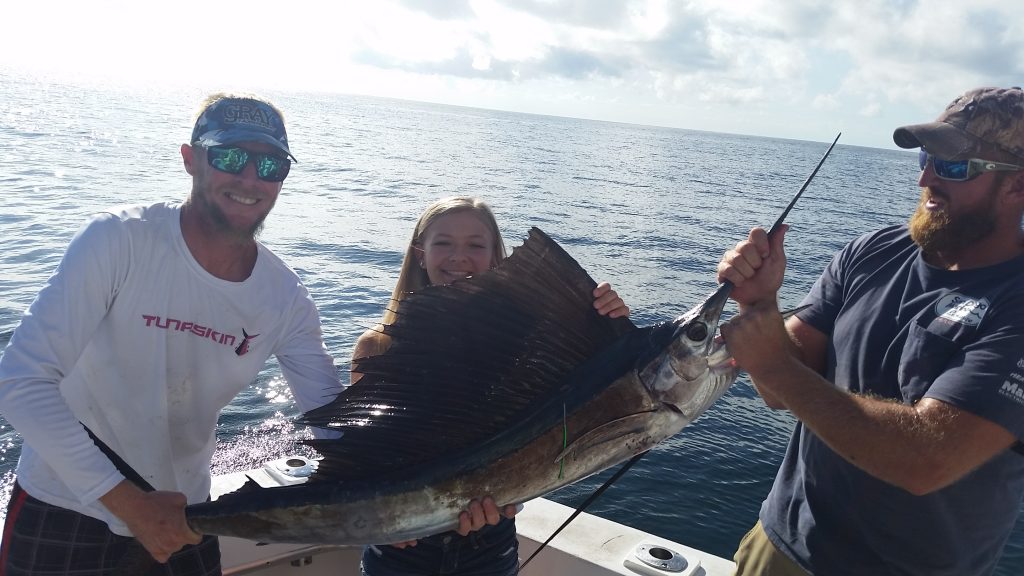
<point x="466" y="362"/>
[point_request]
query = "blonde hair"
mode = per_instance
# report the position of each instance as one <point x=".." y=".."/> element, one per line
<point x="412" y="277"/>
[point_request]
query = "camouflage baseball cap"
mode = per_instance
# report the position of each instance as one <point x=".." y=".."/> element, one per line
<point x="985" y="123"/>
<point x="232" y="120"/>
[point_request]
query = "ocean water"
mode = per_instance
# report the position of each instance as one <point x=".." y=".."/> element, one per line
<point x="648" y="209"/>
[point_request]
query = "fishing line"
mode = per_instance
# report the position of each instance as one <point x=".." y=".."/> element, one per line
<point x="590" y="500"/>
<point x="565" y="442"/>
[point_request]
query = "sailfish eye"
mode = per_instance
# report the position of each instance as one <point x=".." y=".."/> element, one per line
<point x="697" y="331"/>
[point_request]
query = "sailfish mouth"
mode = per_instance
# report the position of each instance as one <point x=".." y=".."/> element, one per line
<point x="719" y="358"/>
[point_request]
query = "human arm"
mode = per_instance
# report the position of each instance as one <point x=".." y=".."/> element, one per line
<point x="370" y="343"/>
<point x="39" y="388"/>
<point x="306" y="365"/>
<point x="46" y="345"/>
<point x="156" y="519"/>
<point x="920" y="447"/>
<point x="608" y="303"/>
<point x="756" y="267"/>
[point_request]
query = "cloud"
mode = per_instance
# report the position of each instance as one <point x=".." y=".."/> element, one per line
<point x="578" y="64"/>
<point x="755" y="66"/>
<point x="870" y="109"/>
<point x="826" y="102"/>
<point x="447" y="10"/>
<point x="771" y="65"/>
<point x="926" y="53"/>
<point x="668" y="46"/>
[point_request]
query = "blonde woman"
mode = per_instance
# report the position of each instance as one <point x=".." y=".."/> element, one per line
<point x="454" y="238"/>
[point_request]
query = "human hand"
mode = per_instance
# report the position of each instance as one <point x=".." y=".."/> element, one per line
<point x="757" y="339"/>
<point x="156" y="519"/>
<point x="608" y="303"/>
<point x="482" y="512"/>
<point x="755" y="267"/>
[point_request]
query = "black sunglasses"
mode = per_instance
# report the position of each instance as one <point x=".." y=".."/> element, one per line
<point x="232" y="159"/>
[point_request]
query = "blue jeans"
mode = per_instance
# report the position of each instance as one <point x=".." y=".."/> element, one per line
<point x="490" y="551"/>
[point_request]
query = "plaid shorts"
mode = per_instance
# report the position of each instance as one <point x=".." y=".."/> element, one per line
<point x="40" y="539"/>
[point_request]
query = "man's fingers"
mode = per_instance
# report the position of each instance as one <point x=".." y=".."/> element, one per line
<point x="778" y="240"/>
<point x="758" y="237"/>
<point x="735" y="267"/>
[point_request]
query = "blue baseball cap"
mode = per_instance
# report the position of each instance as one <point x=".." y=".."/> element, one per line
<point x="234" y="120"/>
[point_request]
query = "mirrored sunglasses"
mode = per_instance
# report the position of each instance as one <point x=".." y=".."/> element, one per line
<point x="962" y="170"/>
<point x="232" y="159"/>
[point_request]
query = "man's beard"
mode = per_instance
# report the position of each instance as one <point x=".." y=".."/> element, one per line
<point x="221" y="221"/>
<point x="216" y="216"/>
<point x="939" y="233"/>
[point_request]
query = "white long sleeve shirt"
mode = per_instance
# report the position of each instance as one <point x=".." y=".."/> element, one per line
<point x="132" y="337"/>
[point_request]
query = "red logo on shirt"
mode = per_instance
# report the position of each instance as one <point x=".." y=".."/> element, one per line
<point x="244" y="346"/>
<point x="197" y="329"/>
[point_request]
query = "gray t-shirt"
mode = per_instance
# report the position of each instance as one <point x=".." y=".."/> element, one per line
<point x="902" y="329"/>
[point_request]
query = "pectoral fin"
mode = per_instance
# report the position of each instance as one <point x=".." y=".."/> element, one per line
<point x="619" y="430"/>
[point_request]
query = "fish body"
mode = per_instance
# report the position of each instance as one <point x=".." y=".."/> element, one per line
<point x="560" y="393"/>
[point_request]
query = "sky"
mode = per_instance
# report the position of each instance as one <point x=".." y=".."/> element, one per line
<point x="801" y="69"/>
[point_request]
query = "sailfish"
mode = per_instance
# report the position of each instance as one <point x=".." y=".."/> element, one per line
<point x="508" y="384"/>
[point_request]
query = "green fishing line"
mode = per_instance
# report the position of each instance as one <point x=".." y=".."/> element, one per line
<point x="565" y="438"/>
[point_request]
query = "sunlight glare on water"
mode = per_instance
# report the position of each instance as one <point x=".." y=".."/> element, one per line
<point x="252" y="446"/>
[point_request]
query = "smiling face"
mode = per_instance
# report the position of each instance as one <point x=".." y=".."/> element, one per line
<point x="953" y="216"/>
<point x="455" y="246"/>
<point x="232" y="205"/>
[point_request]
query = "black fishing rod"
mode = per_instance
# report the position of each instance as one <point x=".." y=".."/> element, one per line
<point x="726" y="287"/>
<point x="723" y="290"/>
<point x="136" y="559"/>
